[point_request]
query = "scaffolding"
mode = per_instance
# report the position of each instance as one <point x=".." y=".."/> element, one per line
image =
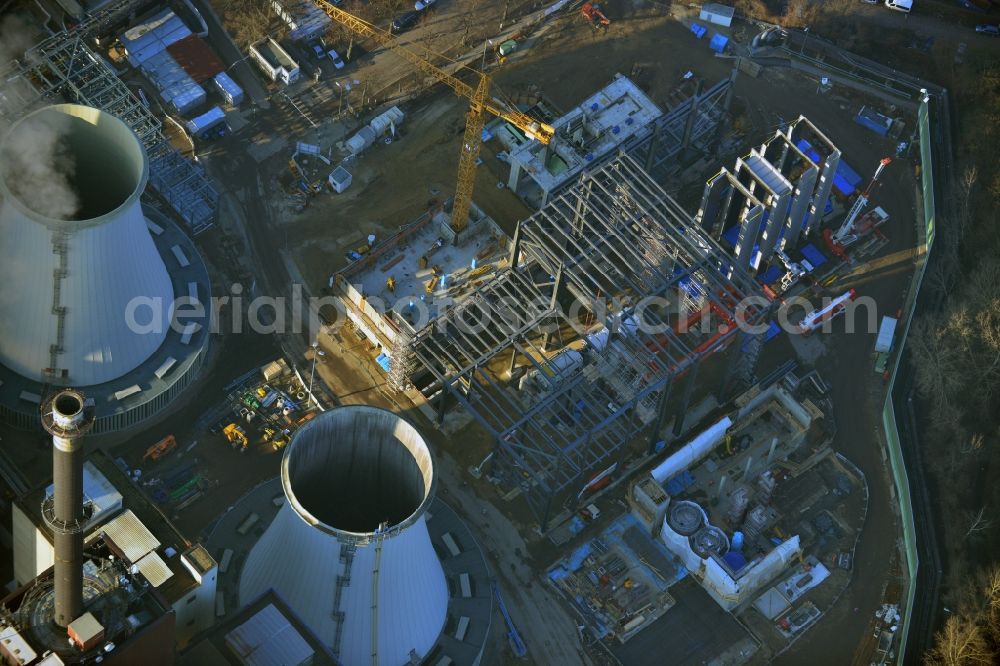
<point x="633" y="294"/>
<point x="64" y="68"/>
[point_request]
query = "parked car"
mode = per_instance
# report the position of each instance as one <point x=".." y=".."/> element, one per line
<point x="900" y="5"/>
<point x="318" y="50"/>
<point x="423" y="4"/>
<point x="335" y="58"/>
<point x="404" y="22"/>
<point x="988" y="29"/>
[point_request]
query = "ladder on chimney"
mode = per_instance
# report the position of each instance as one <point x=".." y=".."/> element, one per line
<point x="343" y="580"/>
<point x="60" y="247"/>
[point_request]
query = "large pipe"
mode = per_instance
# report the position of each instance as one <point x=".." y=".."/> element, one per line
<point x="693" y="451"/>
<point x="67" y="418"/>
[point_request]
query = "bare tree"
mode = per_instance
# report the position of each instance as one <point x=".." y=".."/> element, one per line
<point x="959" y="643"/>
<point x="978" y="522"/>
<point x="247" y="20"/>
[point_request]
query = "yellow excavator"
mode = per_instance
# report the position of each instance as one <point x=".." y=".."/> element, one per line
<point x="236" y="436"/>
<point x="478" y="95"/>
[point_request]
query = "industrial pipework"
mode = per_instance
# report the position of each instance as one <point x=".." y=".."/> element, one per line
<point x="67" y="417"/>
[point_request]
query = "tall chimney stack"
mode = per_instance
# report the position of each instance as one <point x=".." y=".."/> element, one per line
<point x="67" y="419"/>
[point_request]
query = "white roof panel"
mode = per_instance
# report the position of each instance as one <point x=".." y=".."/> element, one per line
<point x="268" y="639"/>
<point x="128" y="533"/>
<point x="154" y="569"/>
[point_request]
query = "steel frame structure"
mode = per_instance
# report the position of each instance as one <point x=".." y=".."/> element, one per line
<point x="65" y="66"/>
<point x="615" y="235"/>
<point x="692" y="123"/>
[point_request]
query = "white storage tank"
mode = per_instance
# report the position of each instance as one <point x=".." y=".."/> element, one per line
<point x="360" y="141"/>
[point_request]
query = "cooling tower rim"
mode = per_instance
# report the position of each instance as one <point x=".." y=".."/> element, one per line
<point x="90" y="115"/>
<point x="346" y="535"/>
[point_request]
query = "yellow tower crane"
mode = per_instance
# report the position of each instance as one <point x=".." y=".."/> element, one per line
<point x="479" y="105"/>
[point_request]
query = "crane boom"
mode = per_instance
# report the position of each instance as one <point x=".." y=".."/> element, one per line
<point x="479" y="104"/>
<point x="859" y="204"/>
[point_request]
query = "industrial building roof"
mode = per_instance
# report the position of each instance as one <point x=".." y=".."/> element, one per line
<point x="451" y="271"/>
<point x="196" y="58"/>
<point x="266" y="632"/>
<point x="268" y="639"/>
<point x="139" y="530"/>
<point x="128" y="533"/>
<point x="146" y="39"/>
<point x="604" y="121"/>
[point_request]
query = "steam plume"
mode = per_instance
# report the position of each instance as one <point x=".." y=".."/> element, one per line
<point x="38" y="169"/>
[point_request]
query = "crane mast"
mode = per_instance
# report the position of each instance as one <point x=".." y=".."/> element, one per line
<point x="480" y="104"/>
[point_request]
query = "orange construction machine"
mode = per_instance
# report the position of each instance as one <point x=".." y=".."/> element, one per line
<point x="160" y="449"/>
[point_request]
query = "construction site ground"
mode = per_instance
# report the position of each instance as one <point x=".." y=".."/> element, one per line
<point x="394" y="183"/>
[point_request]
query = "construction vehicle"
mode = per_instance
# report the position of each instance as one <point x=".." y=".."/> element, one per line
<point x="160" y="449"/>
<point x="795" y="271"/>
<point x="884" y="343"/>
<point x="282" y="439"/>
<point x="504" y="49"/>
<point x="267" y="434"/>
<point x="855" y="226"/>
<point x="592" y="12"/>
<point x="815" y="319"/>
<point x="236" y="436"/>
<point x="480" y="104"/>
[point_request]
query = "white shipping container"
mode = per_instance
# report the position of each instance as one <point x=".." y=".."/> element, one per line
<point x="886" y="332"/>
<point x="364" y="138"/>
<point x="229" y="89"/>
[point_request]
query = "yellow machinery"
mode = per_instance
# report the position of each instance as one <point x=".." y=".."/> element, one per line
<point x="479" y="105"/>
<point x="390" y="283"/>
<point x="236" y="436"/>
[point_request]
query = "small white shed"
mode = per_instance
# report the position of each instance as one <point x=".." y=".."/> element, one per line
<point x="340" y="179"/>
<point x="717" y="14"/>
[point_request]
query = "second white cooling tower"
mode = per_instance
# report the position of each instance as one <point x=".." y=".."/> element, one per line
<point x="77" y="251"/>
<point x="349" y="550"/>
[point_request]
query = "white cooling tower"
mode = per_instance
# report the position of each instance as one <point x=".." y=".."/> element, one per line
<point x="77" y="250"/>
<point x="349" y="549"/>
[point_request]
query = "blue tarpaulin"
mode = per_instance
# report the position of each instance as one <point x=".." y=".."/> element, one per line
<point x="873" y="120"/>
<point x="383" y="361"/>
<point x="698" y="30"/>
<point x="772" y="332"/>
<point x="770" y="276"/>
<point x="735" y="560"/>
<point x="718" y="43"/>
<point x="731" y="234"/>
<point x="845" y="180"/>
<point x="813" y="255"/>
<point x="679" y="483"/>
<point x="576" y="558"/>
